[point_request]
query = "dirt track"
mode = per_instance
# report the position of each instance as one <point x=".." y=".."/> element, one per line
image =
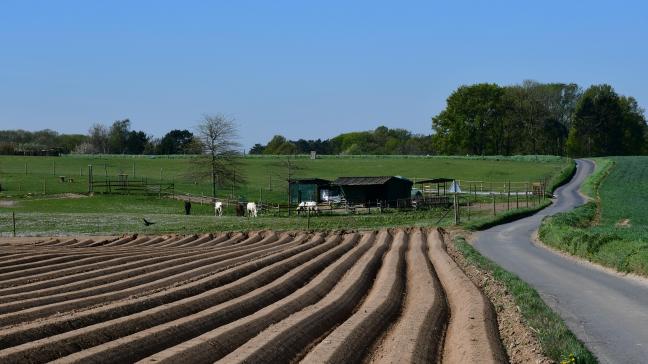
<point x="389" y="296"/>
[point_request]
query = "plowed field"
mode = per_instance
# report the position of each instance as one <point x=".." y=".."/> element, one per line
<point x="392" y="296"/>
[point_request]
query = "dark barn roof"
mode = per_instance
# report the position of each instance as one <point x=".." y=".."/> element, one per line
<point x="362" y="181"/>
<point x="311" y="181"/>
<point x="435" y="180"/>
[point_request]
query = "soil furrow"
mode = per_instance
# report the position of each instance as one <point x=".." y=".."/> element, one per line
<point x="417" y="336"/>
<point x="284" y="341"/>
<point x="217" y="343"/>
<point x="168" y="273"/>
<point x="142" y="343"/>
<point x="53" y="347"/>
<point x="472" y="334"/>
<point x="350" y="340"/>
<point x="32" y="331"/>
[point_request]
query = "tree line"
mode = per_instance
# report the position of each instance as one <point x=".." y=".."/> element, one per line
<point x="118" y="138"/>
<point x="536" y="118"/>
<point x="488" y="119"/>
<point x="379" y="141"/>
<point x="480" y="119"/>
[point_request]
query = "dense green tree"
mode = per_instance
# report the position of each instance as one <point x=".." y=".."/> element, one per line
<point x="606" y="124"/>
<point x="118" y="135"/>
<point x="470" y="120"/>
<point x="175" y="142"/>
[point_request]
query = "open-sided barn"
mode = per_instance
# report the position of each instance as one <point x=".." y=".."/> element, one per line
<point x="388" y="190"/>
<point x="310" y="189"/>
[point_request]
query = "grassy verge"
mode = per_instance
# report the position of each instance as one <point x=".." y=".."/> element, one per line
<point x="595" y="231"/>
<point x="562" y="177"/>
<point x="557" y="341"/>
<point x="485" y="222"/>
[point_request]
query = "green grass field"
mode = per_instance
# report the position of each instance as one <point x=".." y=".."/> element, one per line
<point x="613" y="229"/>
<point x="35" y="196"/>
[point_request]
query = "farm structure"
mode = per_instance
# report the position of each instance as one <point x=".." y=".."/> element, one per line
<point x="388" y="191"/>
<point x="312" y="189"/>
<point x="257" y="297"/>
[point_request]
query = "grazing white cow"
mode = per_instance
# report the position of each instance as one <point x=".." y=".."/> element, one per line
<point x="251" y="209"/>
<point x="308" y="206"/>
<point x="218" y="208"/>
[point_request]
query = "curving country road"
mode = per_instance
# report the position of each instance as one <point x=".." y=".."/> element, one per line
<point x="607" y="311"/>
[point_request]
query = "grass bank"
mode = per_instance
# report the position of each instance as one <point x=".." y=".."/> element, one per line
<point x="557" y="341"/>
<point x="612" y="229"/>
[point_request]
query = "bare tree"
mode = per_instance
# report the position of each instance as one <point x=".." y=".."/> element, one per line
<point x="220" y="160"/>
<point x="98" y="135"/>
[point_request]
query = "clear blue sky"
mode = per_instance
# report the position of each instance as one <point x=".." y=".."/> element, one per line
<point x="298" y="68"/>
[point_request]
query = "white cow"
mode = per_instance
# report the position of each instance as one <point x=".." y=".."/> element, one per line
<point x="308" y="206"/>
<point x="251" y="209"/>
<point x="218" y="208"/>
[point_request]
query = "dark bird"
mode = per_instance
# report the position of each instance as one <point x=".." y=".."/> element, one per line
<point x="148" y="223"/>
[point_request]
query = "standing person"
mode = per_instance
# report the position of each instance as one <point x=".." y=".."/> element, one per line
<point x="187" y="206"/>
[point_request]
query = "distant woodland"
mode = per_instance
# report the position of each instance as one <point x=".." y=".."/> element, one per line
<point x="479" y="119"/>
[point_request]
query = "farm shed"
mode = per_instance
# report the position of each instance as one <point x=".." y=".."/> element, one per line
<point x="308" y="189"/>
<point x="369" y="190"/>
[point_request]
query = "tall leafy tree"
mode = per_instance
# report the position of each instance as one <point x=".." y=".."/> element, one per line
<point x="175" y="142"/>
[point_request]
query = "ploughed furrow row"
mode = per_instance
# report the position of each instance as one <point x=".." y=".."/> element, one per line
<point x="27" y="332"/>
<point x="42" y="273"/>
<point x="89" y="275"/>
<point x="170" y="274"/>
<point x="417" y="336"/>
<point x="154" y="267"/>
<point x="122" y="266"/>
<point x="472" y="334"/>
<point x="114" y="265"/>
<point x="214" y="241"/>
<point x="349" y="342"/>
<point x="304" y="266"/>
<point x="393" y="296"/>
<point x="53" y="347"/>
<point x="64" y="259"/>
<point x="286" y="340"/>
<point x="219" y="342"/>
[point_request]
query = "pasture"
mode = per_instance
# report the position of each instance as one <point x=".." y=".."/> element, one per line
<point x="44" y="205"/>
<point x="612" y="230"/>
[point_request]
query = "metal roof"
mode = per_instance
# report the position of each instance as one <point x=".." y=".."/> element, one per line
<point x="364" y="181"/>
<point x="315" y="181"/>
<point x="435" y="180"/>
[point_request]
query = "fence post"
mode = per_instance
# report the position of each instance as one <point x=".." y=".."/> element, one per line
<point x="90" y="177"/>
<point x="493" y="194"/>
<point x="25" y="167"/>
<point x="13" y="218"/>
<point x="308" y="219"/>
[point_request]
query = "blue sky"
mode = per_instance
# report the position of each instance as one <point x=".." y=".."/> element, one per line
<point x="298" y="68"/>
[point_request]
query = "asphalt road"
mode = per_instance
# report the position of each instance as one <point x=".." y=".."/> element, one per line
<point x="607" y="311"/>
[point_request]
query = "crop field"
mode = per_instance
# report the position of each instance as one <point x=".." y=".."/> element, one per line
<point x="614" y="230"/>
<point x="262" y="297"/>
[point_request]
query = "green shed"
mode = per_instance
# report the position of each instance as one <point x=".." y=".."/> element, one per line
<point x="389" y="190"/>
<point x="307" y="189"/>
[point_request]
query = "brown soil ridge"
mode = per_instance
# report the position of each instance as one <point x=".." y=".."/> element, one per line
<point x="52" y="347"/>
<point x="349" y="342"/>
<point x="157" y="338"/>
<point x="417" y="337"/>
<point x="155" y="276"/>
<point x="221" y="341"/>
<point x="472" y="335"/>
<point x="237" y="268"/>
<point x="284" y="341"/>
